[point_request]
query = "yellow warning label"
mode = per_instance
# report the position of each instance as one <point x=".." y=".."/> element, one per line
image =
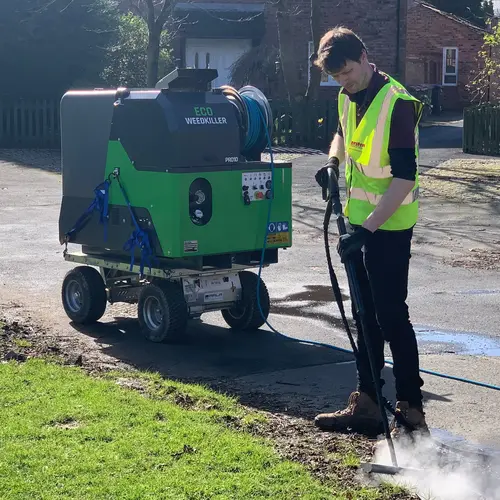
<point x="278" y="238"/>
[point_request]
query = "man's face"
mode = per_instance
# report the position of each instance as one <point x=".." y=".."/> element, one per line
<point x="352" y="76"/>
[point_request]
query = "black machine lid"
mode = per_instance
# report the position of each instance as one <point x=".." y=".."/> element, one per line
<point x="188" y="79"/>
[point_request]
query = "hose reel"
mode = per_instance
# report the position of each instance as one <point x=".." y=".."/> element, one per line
<point x="254" y="116"/>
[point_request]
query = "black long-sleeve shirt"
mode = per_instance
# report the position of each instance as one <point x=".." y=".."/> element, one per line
<point x="402" y="134"/>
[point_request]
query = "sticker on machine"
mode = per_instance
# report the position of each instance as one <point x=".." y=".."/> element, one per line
<point x="278" y="227"/>
<point x="191" y="246"/>
<point x="278" y="238"/>
<point x="214" y="297"/>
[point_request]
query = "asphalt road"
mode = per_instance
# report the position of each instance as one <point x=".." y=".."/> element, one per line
<point x="303" y="378"/>
<point x="440" y="143"/>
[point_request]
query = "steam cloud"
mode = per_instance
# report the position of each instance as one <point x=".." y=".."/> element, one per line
<point x="441" y="474"/>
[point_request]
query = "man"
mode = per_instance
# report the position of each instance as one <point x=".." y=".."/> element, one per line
<point x="377" y="138"/>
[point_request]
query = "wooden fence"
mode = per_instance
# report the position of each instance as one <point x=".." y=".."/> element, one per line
<point x="481" y="132"/>
<point x="35" y="123"/>
<point x="29" y="123"/>
<point x="308" y="125"/>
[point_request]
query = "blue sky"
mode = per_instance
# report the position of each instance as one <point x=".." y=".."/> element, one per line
<point x="497" y="4"/>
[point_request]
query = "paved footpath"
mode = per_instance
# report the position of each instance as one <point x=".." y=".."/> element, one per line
<point x="455" y="308"/>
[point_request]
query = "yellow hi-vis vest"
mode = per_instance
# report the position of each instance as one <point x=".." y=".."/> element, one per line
<point x="367" y="169"/>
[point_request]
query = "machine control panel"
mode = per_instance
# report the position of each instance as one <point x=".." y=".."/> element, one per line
<point x="256" y="186"/>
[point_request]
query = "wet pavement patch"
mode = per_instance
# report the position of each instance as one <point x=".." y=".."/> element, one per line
<point x="313" y="293"/>
<point x="459" y="343"/>
<point x="480" y="292"/>
<point x="459" y="444"/>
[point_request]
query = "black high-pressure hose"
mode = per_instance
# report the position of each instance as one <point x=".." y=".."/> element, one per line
<point x="331" y="194"/>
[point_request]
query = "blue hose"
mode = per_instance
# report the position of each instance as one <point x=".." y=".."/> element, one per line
<point x="253" y="132"/>
<point x="253" y="107"/>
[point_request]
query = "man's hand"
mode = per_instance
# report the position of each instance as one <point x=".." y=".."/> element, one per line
<point x="322" y="173"/>
<point x="390" y="202"/>
<point x="350" y="243"/>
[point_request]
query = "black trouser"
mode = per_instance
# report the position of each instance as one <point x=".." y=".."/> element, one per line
<point x="382" y="273"/>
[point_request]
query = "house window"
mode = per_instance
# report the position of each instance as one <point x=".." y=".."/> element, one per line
<point x="326" y="80"/>
<point x="450" y="66"/>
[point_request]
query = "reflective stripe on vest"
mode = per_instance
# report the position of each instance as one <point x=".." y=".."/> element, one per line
<point x="345" y="116"/>
<point x="378" y="139"/>
<point x="374" y="199"/>
<point x="374" y="171"/>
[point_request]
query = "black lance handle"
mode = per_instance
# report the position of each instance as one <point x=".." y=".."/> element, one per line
<point x="331" y="194"/>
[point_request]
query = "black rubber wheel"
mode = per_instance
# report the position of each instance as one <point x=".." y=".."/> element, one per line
<point x="245" y="314"/>
<point x="162" y="311"/>
<point x="84" y="295"/>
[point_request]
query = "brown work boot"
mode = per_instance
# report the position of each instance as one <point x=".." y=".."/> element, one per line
<point x="361" y="415"/>
<point x="414" y="416"/>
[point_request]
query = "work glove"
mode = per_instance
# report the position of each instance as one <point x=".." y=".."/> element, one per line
<point x="322" y="173"/>
<point x="349" y="244"/>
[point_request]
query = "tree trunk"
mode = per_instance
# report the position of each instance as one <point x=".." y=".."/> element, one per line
<point x="153" y="55"/>
<point x="288" y="60"/>
<point x="315" y="72"/>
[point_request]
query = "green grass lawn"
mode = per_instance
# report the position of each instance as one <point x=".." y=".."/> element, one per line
<point x="64" y="434"/>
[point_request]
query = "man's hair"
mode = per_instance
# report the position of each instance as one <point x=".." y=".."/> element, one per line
<point x="336" y="47"/>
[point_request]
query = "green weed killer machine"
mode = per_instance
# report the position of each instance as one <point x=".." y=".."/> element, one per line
<point x="166" y="193"/>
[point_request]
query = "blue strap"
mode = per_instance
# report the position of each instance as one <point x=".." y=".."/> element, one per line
<point x="102" y="198"/>
<point x="138" y="238"/>
<point x="137" y="227"/>
<point x="99" y="204"/>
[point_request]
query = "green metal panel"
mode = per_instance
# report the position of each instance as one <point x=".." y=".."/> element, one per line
<point x="234" y="226"/>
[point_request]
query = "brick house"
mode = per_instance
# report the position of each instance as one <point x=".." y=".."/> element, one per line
<point x="410" y="39"/>
<point x="214" y="34"/>
<point x="441" y="49"/>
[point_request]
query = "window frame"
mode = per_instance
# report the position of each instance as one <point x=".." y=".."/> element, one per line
<point x="444" y="73"/>
<point x="331" y="81"/>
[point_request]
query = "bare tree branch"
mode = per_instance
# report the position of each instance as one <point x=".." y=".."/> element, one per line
<point x="484" y="84"/>
<point x="167" y="5"/>
<point x="45" y="7"/>
<point x="175" y="24"/>
<point x="219" y="18"/>
<point x="49" y="4"/>
<point x="67" y="6"/>
<point x="135" y="7"/>
<point x="286" y="48"/>
<point x="314" y="72"/>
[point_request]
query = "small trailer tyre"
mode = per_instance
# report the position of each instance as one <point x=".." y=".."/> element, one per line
<point x="84" y="295"/>
<point x="245" y="314"/>
<point x="162" y="311"/>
